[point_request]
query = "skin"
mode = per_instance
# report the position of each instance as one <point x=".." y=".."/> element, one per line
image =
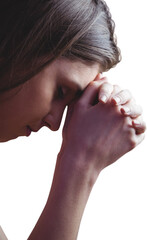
<point x="40" y="101"/>
<point x="94" y="117"/>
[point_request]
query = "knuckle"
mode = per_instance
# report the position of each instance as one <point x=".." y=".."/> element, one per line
<point x="126" y="122"/>
<point x="132" y="138"/>
<point x="123" y="96"/>
<point x="143" y="137"/>
<point x="124" y="93"/>
<point x="127" y="92"/>
<point x="137" y="109"/>
<point x="133" y="101"/>
<point x="103" y="87"/>
<point x="130" y="134"/>
<point x="140" y="110"/>
<point x="133" y="144"/>
<point x="106" y="85"/>
<point x="145" y="126"/>
<point x="116" y="88"/>
<point x="93" y="83"/>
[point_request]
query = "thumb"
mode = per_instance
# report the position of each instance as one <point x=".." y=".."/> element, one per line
<point x="99" y="78"/>
<point x="90" y="95"/>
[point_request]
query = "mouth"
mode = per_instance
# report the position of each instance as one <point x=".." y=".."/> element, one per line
<point x="30" y="129"/>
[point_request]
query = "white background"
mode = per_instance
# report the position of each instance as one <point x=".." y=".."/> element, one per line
<point x="117" y="208"/>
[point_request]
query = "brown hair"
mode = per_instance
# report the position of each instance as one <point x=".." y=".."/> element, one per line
<point x="34" y="33"/>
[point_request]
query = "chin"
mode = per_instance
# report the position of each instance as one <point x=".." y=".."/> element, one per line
<point x="23" y="133"/>
<point x="9" y="138"/>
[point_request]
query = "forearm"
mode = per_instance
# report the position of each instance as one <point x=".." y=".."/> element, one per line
<point x="69" y="193"/>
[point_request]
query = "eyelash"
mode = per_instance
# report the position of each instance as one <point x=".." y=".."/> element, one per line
<point x="61" y="92"/>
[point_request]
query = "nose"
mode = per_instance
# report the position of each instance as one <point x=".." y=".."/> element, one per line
<point x="54" y="117"/>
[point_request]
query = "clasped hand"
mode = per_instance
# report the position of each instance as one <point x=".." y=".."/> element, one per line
<point x="102" y="125"/>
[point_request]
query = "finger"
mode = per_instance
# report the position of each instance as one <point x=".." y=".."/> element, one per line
<point x="105" y="92"/>
<point x="139" y="126"/>
<point x="116" y="89"/>
<point x="100" y="77"/>
<point x="90" y="94"/>
<point x="122" y="97"/>
<point x="131" y="110"/>
<point x="139" y="138"/>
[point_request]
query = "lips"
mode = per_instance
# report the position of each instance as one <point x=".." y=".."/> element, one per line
<point x="33" y="129"/>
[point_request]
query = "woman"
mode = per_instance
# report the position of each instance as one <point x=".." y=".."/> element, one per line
<point x="52" y="54"/>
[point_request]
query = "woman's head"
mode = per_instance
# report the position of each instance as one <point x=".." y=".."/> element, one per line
<point x="41" y="100"/>
<point x="55" y="48"/>
<point x="34" y="33"/>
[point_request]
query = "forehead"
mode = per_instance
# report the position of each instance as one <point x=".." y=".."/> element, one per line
<point x="76" y="73"/>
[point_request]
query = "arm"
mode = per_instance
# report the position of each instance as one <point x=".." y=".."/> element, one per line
<point x="93" y="137"/>
<point x="2" y="235"/>
<point x="69" y="193"/>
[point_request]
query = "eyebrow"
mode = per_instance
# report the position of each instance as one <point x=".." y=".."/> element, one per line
<point x="76" y="86"/>
<point x="78" y="90"/>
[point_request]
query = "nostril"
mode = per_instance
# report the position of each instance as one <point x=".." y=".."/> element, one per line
<point x="46" y="124"/>
<point x="51" y="127"/>
<point x="53" y="119"/>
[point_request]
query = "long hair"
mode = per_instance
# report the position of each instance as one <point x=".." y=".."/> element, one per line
<point x="34" y="33"/>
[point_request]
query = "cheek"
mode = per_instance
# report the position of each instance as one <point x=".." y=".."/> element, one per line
<point x="40" y="104"/>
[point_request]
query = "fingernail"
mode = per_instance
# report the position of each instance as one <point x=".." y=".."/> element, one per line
<point x="101" y="75"/>
<point x="103" y="98"/>
<point x="117" y="99"/>
<point x="126" y="110"/>
<point x="98" y="77"/>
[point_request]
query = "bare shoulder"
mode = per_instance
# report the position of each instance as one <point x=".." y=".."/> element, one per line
<point x="2" y="235"/>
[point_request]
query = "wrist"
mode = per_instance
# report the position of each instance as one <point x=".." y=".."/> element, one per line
<point x="78" y="163"/>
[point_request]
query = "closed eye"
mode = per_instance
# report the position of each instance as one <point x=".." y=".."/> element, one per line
<point x="79" y="93"/>
<point x="68" y="94"/>
<point x="62" y="92"/>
